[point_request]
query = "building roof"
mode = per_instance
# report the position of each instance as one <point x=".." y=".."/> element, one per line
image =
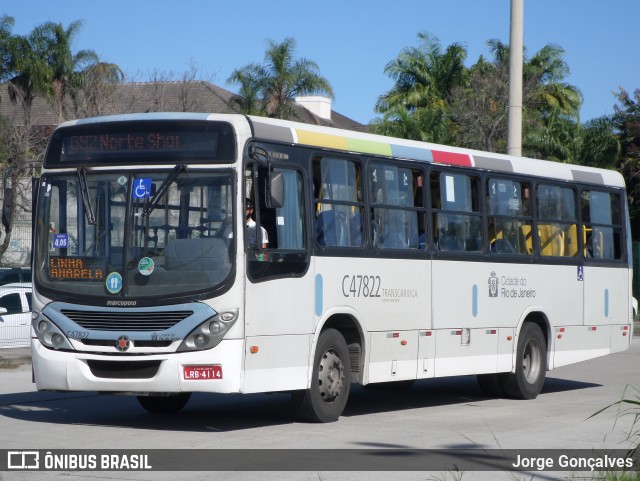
<point x="192" y="96"/>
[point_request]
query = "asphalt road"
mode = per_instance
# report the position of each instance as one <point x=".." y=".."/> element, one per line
<point x="435" y="414"/>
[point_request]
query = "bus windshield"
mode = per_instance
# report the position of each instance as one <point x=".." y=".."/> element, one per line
<point x="120" y="235"/>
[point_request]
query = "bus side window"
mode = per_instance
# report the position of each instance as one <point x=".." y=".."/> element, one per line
<point x="284" y="226"/>
<point x="457" y="220"/>
<point x="395" y="200"/>
<point x="557" y="221"/>
<point x="289" y="219"/>
<point x="285" y="253"/>
<point x="602" y="224"/>
<point x="338" y="202"/>
<point x="510" y="223"/>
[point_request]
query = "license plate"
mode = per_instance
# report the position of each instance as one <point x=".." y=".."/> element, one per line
<point x="202" y="373"/>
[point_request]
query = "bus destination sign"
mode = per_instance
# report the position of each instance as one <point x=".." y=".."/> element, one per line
<point x="122" y="142"/>
<point x="125" y="142"/>
<point x="75" y="268"/>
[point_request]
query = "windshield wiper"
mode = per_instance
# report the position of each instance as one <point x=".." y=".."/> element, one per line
<point x="153" y="201"/>
<point x="84" y="191"/>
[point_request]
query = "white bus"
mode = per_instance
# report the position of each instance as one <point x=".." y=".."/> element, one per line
<point x="371" y="260"/>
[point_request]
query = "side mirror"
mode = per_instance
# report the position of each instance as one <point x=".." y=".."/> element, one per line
<point x="3" y="310"/>
<point x="275" y="190"/>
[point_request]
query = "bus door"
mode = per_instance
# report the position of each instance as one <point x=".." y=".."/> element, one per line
<point x="279" y="287"/>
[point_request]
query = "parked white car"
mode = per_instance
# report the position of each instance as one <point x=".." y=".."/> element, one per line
<point x="15" y="314"/>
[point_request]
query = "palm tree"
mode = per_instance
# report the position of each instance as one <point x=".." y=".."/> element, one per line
<point x="626" y="121"/>
<point x="424" y="75"/>
<point x="544" y="73"/>
<point x="551" y="106"/>
<point x="53" y="42"/>
<point x="416" y="107"/>
<point x="271" y="88"/>
<point x="6" y="25"/>
<point x="27" y="72"/>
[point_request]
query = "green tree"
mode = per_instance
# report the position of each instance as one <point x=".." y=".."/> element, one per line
<point x="270" y="88"/>
<point x="626" y="120"/>
<point x="543" y="78"/>
<point x="27" y="73"/>
<point x="66" y="70"/>
<point x="425" y="76"/>
<point x="6" y="25"/>
<point x="479" y="107"/>
<point x="599" y="144"/>
<point x="427" y="125"/>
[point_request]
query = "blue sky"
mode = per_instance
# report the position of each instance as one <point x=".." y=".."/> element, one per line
<point x="350" y="40"/>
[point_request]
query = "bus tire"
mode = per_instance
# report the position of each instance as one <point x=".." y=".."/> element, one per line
<point x="164" y="404"/>
<point x="325" y="400"/>
<point x="531" y="364"/>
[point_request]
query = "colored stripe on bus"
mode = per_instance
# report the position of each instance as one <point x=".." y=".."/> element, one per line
<point x="343" y="143"/>
<point x="369" y="147"/>
<point x="414" y="153"/>
<point x="451" y="158"/>
<point x="474" y="300"/>
<point x="319" y="295"/>
<point x="351" y="144"/>
<point x="321" y="140"/>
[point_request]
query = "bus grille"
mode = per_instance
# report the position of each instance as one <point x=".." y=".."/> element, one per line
<point x="129" y="321"/>
<point x="124" y="369"/>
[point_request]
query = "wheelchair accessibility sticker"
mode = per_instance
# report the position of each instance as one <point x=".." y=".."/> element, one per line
<point x="141" y="189"/>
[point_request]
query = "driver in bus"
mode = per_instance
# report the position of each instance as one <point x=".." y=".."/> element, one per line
<point x="251" y="227"/>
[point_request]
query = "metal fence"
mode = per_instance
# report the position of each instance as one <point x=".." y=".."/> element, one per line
<point x="18" y="254"/>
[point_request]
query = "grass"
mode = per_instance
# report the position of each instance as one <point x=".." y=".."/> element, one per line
<point x="628" y="406"/>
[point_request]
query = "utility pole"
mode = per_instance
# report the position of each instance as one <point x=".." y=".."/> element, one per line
<point x="516" y="47"/>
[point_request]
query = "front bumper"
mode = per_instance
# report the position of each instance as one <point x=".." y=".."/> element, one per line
<point x="155" y="373"/>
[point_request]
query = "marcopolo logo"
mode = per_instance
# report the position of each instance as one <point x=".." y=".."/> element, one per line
<point x="493" y="285"/>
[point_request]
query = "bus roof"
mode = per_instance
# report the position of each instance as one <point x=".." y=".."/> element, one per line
<point x="363" y="143"/>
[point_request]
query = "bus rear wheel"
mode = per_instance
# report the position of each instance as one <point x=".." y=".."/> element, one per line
<point x="531" y="364"/>
<point x="325" y="400"/>
<point x="164" y="404"/>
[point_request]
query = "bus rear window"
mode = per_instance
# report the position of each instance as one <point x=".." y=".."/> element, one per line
<point x="130" y="141"/>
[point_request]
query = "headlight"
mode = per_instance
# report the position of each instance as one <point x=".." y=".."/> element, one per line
<point x="48" y="333"/>
<point x="210" y="332"/>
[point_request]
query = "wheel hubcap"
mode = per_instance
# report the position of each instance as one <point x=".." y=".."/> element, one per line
<point x="330" y="376"/>
<point x="531" y="361"/>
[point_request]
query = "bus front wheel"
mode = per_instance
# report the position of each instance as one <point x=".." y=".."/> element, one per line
<point x="164" y="404"/>
<point x="327" y="396"/>
<point x="531" y="364"/>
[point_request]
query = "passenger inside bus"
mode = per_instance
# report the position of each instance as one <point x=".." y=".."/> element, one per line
<point x="252" y="228"/>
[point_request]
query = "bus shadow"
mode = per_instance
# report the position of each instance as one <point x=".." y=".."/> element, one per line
<point x="234" y="412"/>
<point x="437" y="392"/>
